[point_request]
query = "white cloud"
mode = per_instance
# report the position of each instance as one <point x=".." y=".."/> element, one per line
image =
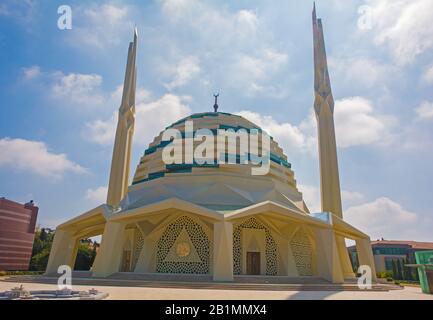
<point x="183" y="72"/>
<point x="23" y="12"/>
<point x="253" y="73"/>
<point x="356" y="123"/>
<point x="360" y="71"/>
<point x="208" y="20"/>
<point x="141" y="95"/>
<point x="98" y="195"/>
<point x="34" y="157"/>
<point x="151" y="118"/>
<point x="101" y="131"/>
<point x="100" y="26"/>
<point x="425" y="110"/>
<point x="237" y="40"/>
<point x="77" y="89"/>
<point x="107" y="14"/>
<point x="351" y="198"/>
<point x="385" y="218"/>
<point x="405" y="26"/>
<point x="74" y="89"/>
<point x="311" y="196"/>
<point x="248" y="19"/>
<point x="177" y="9"/>
<point x="31" y="73"/>
<point x="291" y="138"/>
<point x="428" y="75"/>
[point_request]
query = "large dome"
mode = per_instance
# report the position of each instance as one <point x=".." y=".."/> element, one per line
<point x="219" y="187"/>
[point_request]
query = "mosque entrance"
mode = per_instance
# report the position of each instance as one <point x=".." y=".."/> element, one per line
<point x="126" y="261"/>
<point x="253" y="263"/>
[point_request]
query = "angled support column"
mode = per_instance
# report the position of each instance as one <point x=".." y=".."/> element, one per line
<point x="365" y="256"/>
<point x="291" y="270"/>
<point x="328" y="258"/>
<point x="63" y="251"/>
<point x="108" y="258"/>
<point x="346" y="265"/>
<point x="144" y="260"/>
<point x="223" y="251"/>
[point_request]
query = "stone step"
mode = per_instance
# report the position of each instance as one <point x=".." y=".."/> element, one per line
<point x="203" y="285"/>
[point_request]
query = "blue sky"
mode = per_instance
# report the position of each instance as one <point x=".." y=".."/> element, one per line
<point x="60" y="90"/>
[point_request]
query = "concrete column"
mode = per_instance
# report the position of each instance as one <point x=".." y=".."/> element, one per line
<point x="365" y="256"/>
<point x="223" y="251"/>
<point x="63" y="251"/>
<point x="328" y="258"/>
<point x="110" y="253"/>
<point x="346" y="265"/>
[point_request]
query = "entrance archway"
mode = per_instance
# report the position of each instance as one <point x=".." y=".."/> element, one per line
<point x="268" y="258"/>
<point x="85" y="253"/>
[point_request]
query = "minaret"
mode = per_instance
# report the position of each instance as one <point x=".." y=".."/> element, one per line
<point x="119" y="176"/>
<point x="324" y="108"/>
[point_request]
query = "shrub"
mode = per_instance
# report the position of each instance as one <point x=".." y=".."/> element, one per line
<point x="384" y="274"/>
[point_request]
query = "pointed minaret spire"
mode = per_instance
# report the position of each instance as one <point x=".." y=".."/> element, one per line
<point x="322" y="83"/>
<point x="314" y="12"/>
<point x="119" y="176"/>
<point x="128" y="96"/>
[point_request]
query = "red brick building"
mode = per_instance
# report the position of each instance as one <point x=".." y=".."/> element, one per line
<point x="17" y="231"/>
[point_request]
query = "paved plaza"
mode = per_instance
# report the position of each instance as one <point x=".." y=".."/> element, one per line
<point x="147" y="293"/>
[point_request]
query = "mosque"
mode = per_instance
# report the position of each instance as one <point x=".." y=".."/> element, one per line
<point x="217" y="219"/>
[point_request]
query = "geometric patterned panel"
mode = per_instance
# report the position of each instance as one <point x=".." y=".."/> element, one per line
<point x="270" y="247"/>
<point x="302" y="253"/>
<point x="198" y="240"/>
<point x="138" y="246"/>
<point x="182" y="250"/>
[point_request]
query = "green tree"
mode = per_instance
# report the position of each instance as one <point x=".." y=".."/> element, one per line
<point x="399" y="270"/>
<point x="84" y="258"/>
<point x="94" y="251"/>
<point x="407" y="272"/>
<point x="42" y="247"/>
<point x="416" y="275"/>
<point x="39" y="261"/>
<point x="394" y="270"/>
<point x="43" y="235"/>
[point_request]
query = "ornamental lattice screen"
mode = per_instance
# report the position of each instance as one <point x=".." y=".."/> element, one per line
<point x="199" y="241"/>
<point x="302" y="252"/>
<point x="270" y="247"/>
<point x="138" y="246"/>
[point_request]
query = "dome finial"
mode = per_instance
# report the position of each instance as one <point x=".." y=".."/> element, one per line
<point x="215" y="106"/>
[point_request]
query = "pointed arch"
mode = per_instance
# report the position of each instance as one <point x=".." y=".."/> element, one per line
<point x="302" y="250"/>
